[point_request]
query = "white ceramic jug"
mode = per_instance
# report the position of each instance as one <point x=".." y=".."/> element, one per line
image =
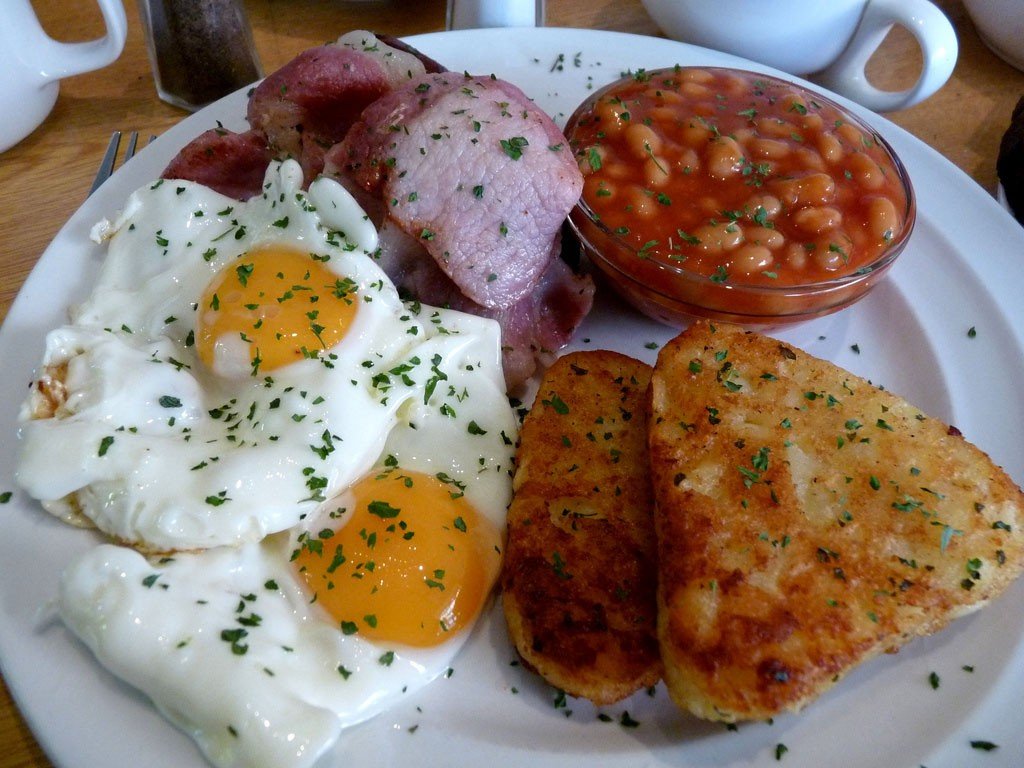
<point x="32" y="64"/>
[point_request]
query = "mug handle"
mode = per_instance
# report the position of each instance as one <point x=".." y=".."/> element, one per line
<point x="59" y="60"/>
<point x="934" y="34"/>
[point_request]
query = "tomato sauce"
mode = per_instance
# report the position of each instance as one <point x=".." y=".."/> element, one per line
<point x="737" y="176"/>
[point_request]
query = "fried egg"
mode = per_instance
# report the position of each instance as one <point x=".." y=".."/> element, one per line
<point x="230" y="646"/>
<point x="238" y="364"/>
<point x="264" y="653"/>
<point x="313" y="475"/>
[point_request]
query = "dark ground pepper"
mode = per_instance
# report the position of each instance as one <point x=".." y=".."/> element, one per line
<point x="200" y="49"/>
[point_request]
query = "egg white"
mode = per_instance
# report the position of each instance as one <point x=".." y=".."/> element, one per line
<point x="225" y="639"/>
<point x="160" y="452"/>
<point x="228" y="648"/>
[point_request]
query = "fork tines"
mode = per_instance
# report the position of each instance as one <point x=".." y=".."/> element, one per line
<point x="110" y="157"/>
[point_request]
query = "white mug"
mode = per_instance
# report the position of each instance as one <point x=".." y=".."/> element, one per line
<point x="833" y="39"/>
<point x="32" y="64"/>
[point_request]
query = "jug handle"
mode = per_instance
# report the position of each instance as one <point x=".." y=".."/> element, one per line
<point x="935" y="35"/>
<point x="59" y="60"/>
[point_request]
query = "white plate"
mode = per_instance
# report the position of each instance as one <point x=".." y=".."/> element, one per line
<point x="963" y="269"/>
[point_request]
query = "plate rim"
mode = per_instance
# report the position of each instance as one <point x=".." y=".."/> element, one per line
<point x="1011" y="314"/>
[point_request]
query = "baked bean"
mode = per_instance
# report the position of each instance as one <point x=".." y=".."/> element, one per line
<point x="664" y="115"/>
<point x="769" y="149"/>
<point x="597" y="188"/>
<point x="695" y="90"/>
<point x="724" y="157"/>
<point x="830" y="147"/>
<point x="694" y="75"/>
<point x="695" y="134"/>
<point x="592" y="160"/>
<point x="709" y="207"/>
<point x="865" y="171"/>
<point x="642" y="202"/>
<point x="882" y="218"/>
<point x="718" y="237"/>
<point x="814" y="189"/>
<point x="642" y="140"/>
<point x="735" y="85"/>
<point x="830" y="255"/>
<point x="769" y="203"/>
<point x="794" y="102"/>
<point x="744" y="135"/>
<point x="688" y="161"/>
<point x="751" y="258"/>
<point x="769" y="238"/>
<point x="795" y="256"/>
<point x="809" y="159"/>
<point x="738" y="174"/>
<point x="812" y="122"/>
<point x="610" y="116"/>
<point x="859" y="238"/>
<point x="616" y="171"/>
<point x="664" y="95"/>
<point x="775" y="127"/>
<point x="705" y="110"/>
<point x="817" y="221"/>
<point x="851" y="134"/>
<point x="656" y="172"/>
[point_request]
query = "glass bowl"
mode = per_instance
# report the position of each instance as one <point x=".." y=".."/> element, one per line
<point x="672" y="284"/>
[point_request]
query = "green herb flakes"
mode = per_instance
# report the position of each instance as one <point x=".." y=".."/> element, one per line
<point x="513" y="147"/>
<point x="984" y="746"/>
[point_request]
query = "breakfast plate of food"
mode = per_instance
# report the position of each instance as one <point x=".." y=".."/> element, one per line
<point x="203" y="615"/>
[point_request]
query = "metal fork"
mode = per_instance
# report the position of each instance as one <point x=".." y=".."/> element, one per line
<point x="110" y="157"/>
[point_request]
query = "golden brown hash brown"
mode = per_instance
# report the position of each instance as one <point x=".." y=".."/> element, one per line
<point x="807" y="521"/>
<point x="579" y="575"/>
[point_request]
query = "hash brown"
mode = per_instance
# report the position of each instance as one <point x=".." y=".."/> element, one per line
<point x="578" y="581"/>
<point x="806" y="522"/>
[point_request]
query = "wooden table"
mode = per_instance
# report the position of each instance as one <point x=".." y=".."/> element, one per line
<point x="46" y="177"/>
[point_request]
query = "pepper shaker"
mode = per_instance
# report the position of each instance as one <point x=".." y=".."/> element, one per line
<point x="200" y="50"/>
<point x="476" y="14"/>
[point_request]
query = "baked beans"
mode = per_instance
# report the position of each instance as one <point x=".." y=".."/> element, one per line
<point x="737" y="176"/>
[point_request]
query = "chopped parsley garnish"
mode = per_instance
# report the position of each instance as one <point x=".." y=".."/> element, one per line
<point x="557" y="404"/>
<point x="513" y="147"/>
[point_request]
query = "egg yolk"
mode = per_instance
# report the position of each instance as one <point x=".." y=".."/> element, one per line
<point x="412" y="563"/>
<point x="272" y="307"/>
